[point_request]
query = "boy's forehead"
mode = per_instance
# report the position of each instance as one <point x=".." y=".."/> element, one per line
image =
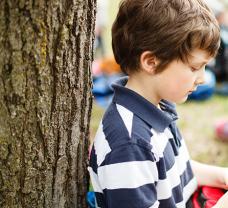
<point x="200" y="57"/>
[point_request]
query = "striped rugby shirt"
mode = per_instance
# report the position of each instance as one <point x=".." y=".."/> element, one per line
<point x="138" y="159"/>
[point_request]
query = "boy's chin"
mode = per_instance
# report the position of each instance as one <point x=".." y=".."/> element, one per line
<point x="183" y="100"/>
<point x="180" y="101"/>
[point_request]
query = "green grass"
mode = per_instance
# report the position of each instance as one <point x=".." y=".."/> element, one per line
<point x="97" y="113"/>
<point x="196" y="122"/>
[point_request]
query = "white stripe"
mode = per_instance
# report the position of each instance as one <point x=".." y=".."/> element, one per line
<point x="182" y="158"/>
<point x="127" y="117"/>
<point x="128" y="174"/>
<point x="181" y="204"/>
<point x="185" y="149"/>
<point x="155" y="205"/>
<point x="189" y="189"/>
<point x="158" y="142"/>
<point x="94" y="180"/>
<point x="101" y="145"/>
<point x="164" y="187"/>
<point x="168" y="133"/>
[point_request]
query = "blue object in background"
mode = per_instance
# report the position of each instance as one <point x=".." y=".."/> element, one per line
<point x="102" y="89"/>
<point x="101" y="86"/>
<point x="103" y="100"/>
<point x="91" y="199"/>
<point x="206" y="90"/>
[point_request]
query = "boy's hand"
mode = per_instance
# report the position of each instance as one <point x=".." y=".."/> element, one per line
<point x="225" y="179"/>
<point x="209" y="175"/>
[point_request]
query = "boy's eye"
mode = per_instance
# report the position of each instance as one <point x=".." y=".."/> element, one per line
<point x="194" y="69"/>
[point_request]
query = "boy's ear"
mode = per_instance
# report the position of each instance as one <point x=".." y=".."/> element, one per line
<point x="148" y="62"/>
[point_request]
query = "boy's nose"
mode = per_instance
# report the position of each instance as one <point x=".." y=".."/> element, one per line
<point x="200" y="80"/>
<point x="201" y="77"/>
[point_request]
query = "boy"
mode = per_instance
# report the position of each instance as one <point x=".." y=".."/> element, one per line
<point x="139" y="159"/>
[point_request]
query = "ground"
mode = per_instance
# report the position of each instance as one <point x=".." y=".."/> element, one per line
<point x="197" y="124"/>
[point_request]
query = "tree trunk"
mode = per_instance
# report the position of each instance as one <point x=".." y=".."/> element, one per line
<point x="45" y="101"/>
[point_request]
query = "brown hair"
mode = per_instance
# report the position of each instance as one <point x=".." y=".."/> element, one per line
<point x="170" y="29"/>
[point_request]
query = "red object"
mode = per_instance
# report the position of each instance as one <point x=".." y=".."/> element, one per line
<point x="212" y="193"/>
<point x="210" y="203"/>
<point x="195" y="202"/>
<point x="222" y="130"/>
<point x="206" y="197"/>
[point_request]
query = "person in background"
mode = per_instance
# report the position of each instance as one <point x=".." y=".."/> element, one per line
<point x="220" y="66"/>
<point x="100" y="26"/>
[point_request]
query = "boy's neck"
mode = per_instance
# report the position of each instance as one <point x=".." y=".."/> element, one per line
<point x="143" y="87"/>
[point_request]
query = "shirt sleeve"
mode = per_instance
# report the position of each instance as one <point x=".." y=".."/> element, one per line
<point x="128" y="178"/>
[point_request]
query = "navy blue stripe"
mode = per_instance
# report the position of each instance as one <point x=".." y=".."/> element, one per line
<point x="141" y="130"/>
<point x="100" y="200"/>
<point x="141" y="106"/>
<point x="187" y="176"/>
<point x="176" y="134"/>
<point x="127" y="153"/>
<point x="177" y="194"/>
<point x="167" y="162"/>
<point x="144" y="196"/>
<point x="167" y="203"/>
<point x="114" y="128"/>
<point x="175" y="148"/>
<point x="93" y="160"/>
<point x="161" y="169"/>
<point x="169" y="156"/>
<point x="169" y="108"/>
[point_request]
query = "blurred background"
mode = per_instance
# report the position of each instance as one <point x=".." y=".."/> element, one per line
<point x="203" y="118"/>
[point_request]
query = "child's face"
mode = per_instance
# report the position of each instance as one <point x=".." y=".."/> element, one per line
<point x="180" y="79"/>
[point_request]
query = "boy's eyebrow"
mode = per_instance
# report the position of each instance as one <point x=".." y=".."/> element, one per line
<point x="200" y="64"/>
<point x="199" y="61"/>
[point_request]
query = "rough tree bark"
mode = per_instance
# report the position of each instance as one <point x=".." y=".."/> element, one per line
<point x="45" y="101"/>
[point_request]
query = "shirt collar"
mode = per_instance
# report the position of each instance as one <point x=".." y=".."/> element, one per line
<point x="158" y="119"/>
